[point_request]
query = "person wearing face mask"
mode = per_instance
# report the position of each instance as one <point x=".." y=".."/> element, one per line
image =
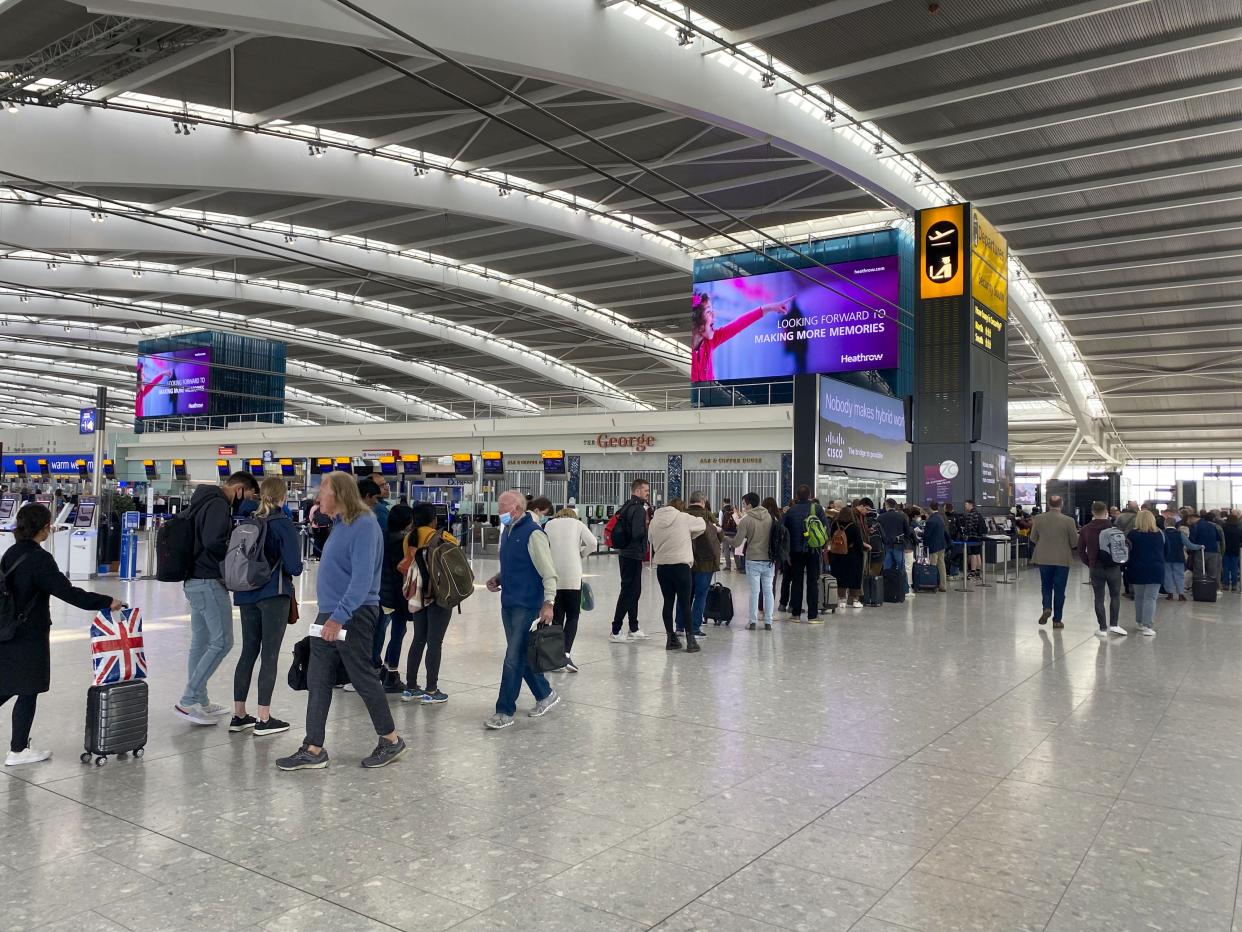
<point x="211" y="609"/>
<point x="527" y="586"/>
<point x="31" y="576"/>
<point x="540" y="509"/>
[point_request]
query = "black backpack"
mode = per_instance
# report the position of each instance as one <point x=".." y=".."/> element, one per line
<point x="176" y="547"/>
<point x="11" y="617"/>
<point x="778" y="543"/>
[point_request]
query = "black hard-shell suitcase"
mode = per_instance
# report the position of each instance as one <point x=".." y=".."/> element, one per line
<point x="116" y="720"/>
<point x="827" y="599"/>
<point x="719" y="606"/>
<point x="894" y="585"/>
<point x="1203" y="586"/>
<point x="873" y="591"/>
<point x="926" y="578"/>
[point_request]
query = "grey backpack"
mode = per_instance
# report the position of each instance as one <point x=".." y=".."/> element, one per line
<point x="245" y="566"/>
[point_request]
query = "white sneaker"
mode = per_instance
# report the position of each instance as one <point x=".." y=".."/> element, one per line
<point x="28" y="756"/>
<point x="194" y="714"/>
<point x="1101" y="633"/>
<point x="639" y="635"/>
<point x="854" y="604"/>
<point x="1147" y="632"/>
<point x="213" y="708"/>
<point x="1118" y="630"/>
<point x="350" y="688"/>
<point x="618" y="638"/>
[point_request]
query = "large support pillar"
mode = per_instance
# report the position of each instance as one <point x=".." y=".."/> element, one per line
<point x="961" y="395"/>
<point x="101" y="440"/>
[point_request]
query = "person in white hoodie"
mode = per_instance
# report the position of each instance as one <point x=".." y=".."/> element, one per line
<point x="570" y="541"/>
<point x="669" y="535"/>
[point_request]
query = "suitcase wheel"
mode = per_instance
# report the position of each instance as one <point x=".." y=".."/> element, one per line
<point x="100" y="761"/>
<point x="137" y="752"/>
<point x="85" y="757"/>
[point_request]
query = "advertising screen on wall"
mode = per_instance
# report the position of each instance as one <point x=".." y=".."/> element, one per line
<point x="781" y="324"/>
<point x="1025" y="493"/>
<point x="174" y="383"/>
<point x="861" y="429"/>
<point x="993" y="479"/>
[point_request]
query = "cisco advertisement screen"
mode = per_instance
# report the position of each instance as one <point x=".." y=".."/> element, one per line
<point x="780" y="324"/>
<point x="173" y="383"/>
<point x="861" y="429"/>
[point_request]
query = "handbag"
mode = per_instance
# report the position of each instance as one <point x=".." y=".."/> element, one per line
<point x="588" y="597"/>
<point x="294" y="614"/>
<point x="118" y="654"/>
<point x="11" y="618"/>
<point x="547" y="648"/>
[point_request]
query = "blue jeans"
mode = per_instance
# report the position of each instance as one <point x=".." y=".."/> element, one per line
<point x="895" y="559"/>
<point x="211" y="635"/>
<point x="1231" y="570"/>
<point x="761" y="573"/>
<point x="1052" y="580"/>
<point x="517" y="620"/>
<point x="698" y="604"/>
<point x="1145" y="603"/>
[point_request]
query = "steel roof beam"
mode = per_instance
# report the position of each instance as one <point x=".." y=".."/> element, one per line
<point x="1123" y="210"/>
<point x="171" y="65"/>
<point x="1005" y="29"/>
<point x="334" y="92"/>
<point x="403" y="137"/>
<point x="1118" y="334"/>
<point x="1120" y="144"/>
<point x="1110" y="181"/>
<point x="681" y="158"/>
<point x="1145" y="287"/>
<point x="1127" y="239"/>
<point x="819" y="13"/>
<point x="1224" y="349"/>
<point x="1057" y="118"/>
<point x="566" y="142"/>
<point x="1190" y="43"/>
<point x="1062" y="271"/>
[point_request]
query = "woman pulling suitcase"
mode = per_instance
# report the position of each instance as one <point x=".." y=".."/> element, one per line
<point x="31" y="577"/>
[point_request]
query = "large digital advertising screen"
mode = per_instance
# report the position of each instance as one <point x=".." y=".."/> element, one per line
<point x="174" y="383"/>
<point x="781" y="324"/>
<point x="861" y="429"/>
<point x="993" y="479"/>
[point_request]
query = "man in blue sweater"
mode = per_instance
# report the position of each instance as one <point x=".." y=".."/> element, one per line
<point x="1207" y="534"/>
<point x="347" y="588"/>
<point x="527" y="586"/>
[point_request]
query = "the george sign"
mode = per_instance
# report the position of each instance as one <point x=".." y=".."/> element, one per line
<point x="227" y="450"/>
<point x="86" y="420"/>
<point x="941" y="234"/>
<point x="861" y="429"/>
<point x="638" y="443"/>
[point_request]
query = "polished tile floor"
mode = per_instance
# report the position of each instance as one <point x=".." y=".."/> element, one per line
<point x="941" y="765"/>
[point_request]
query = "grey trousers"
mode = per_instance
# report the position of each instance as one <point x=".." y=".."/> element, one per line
<point x="355" y="654"/>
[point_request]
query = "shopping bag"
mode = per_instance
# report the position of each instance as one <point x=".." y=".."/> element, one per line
<point x="588" y="597"/>
<point x="117" y="650"/>
<point x="547" y="648"/>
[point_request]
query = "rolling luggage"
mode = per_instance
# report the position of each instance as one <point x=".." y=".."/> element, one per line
<point x="894" y="586"/>
<point x="827" y="600"/>
<point x="926" y="578"/>
<point x="719" y="607"/>
<point x="116" y="720"/>
<point x="873" y="591"/>
<point x="1203" y="586"/>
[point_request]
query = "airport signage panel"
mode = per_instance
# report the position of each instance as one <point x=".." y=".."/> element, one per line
<point x="174" y="383"/>
<point x="942" y="232"/>
<point x="86" y="420"/>
<point x="840" y="318"/>
<point x="56" y="462"/>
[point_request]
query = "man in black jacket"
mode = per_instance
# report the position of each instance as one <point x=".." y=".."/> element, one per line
<point x="211" y="609"/>
<point x="804" y="560"/>
<point x="630" y="556"/>
<point x="895" y="530"/>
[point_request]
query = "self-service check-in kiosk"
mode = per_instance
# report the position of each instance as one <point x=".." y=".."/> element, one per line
<point x="84" y="541"/>
<point x="8" y="521"/>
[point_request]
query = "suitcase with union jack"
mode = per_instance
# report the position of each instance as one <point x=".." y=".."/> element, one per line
<point x="116" y="706"/>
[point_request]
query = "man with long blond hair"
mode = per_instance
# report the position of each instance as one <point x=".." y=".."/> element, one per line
<point x="347" y="588"/>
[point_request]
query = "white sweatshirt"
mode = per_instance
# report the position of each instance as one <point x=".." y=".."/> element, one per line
<point x="570" y="541"/>
<point x="669" y="535"/>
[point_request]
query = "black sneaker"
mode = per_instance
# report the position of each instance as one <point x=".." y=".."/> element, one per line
<point x="767" y="627"/>
<point x="273" y="726"/>
<point x="392" y="682"/>
<point x="241" y="723"/>
<point x="384" y="754"/>
<point x="433" y="698"/>
<point x="303" y="760"/>
<point x="673" y="643"/>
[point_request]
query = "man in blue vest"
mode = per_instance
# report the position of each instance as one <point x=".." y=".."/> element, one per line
<point x="527" y="586"/>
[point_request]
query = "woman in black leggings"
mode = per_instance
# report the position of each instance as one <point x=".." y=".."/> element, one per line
<point x="265" y="613"/>
<point x="430" y="620"/>
<point x="31" y="576"/>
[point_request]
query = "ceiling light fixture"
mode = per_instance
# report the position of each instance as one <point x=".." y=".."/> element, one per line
<point x="316" y="150"/>
<point x="420" y="171"/>
<point x="504" y="190"/>
<point x="184" y="127"/>
<point x="830" y="115"/>
<point x="685" y="36"/>
<point x="768" y="80"/>
<point x="878" y="148"/>
<point x="97" y="217"/>
<point x="136" y="273"/>
<point x="52" y="266"/>
<point x="12" y="107"/>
